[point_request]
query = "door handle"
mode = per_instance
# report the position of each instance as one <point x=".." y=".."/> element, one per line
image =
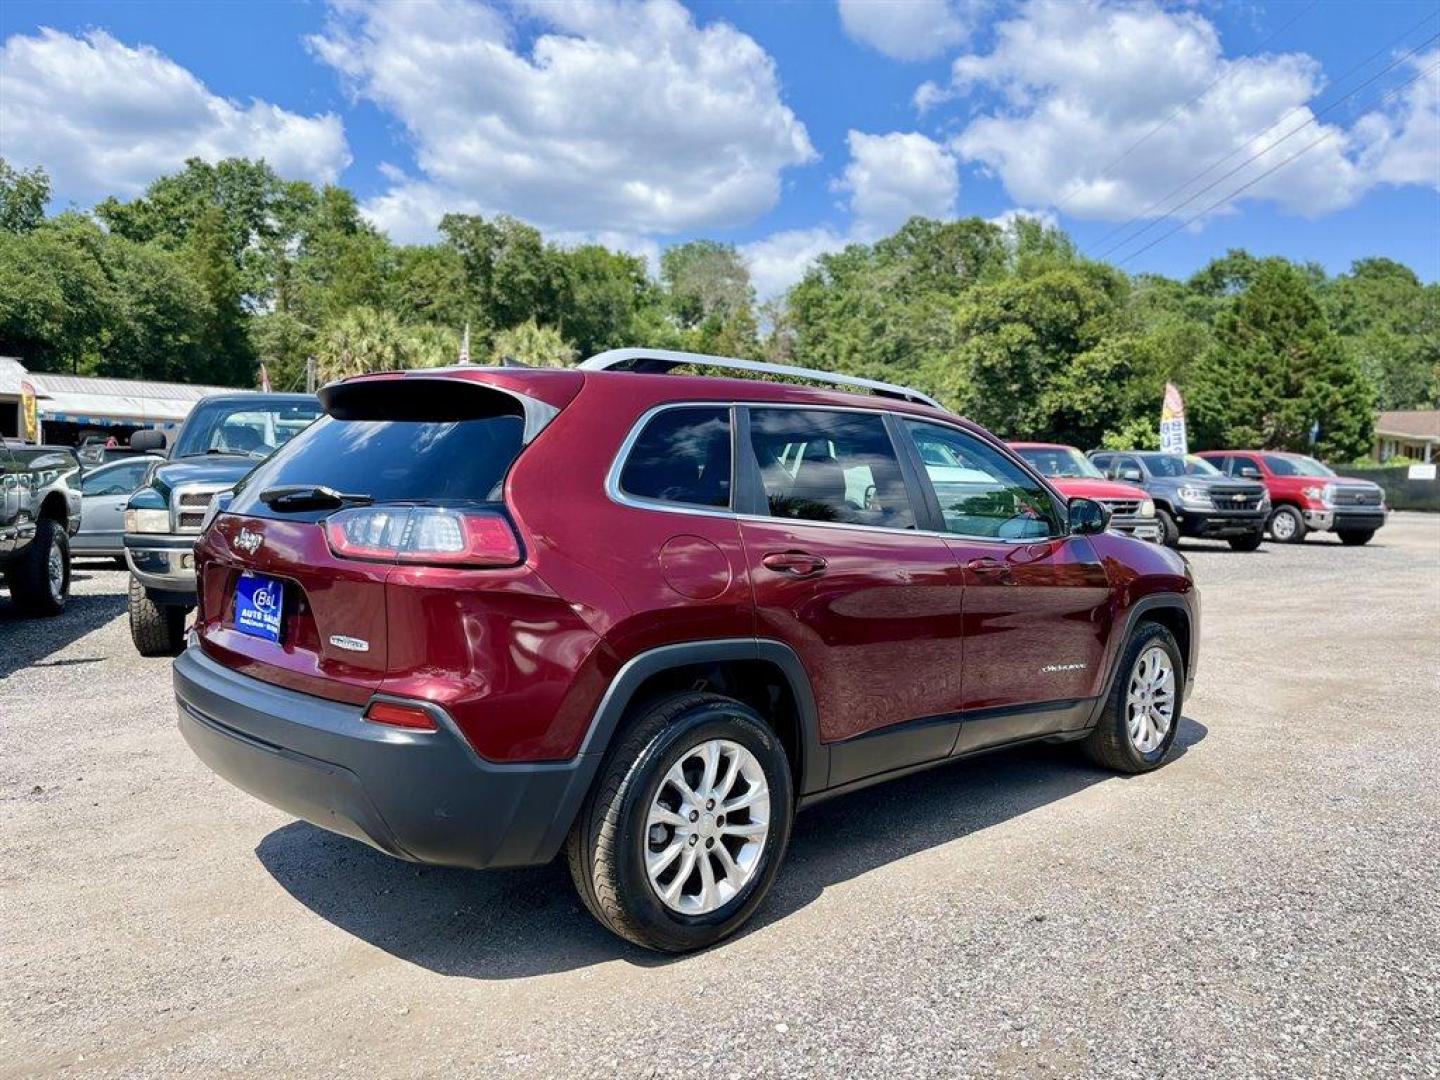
<point x="796" y="563"/>
<point x="985" y="566"/>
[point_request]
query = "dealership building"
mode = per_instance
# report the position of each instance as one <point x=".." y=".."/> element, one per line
<point x="73" y="408"/>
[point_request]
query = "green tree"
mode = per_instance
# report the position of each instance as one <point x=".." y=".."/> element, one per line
<point x="1389" y="323"/>
<point x="534" y="345"/>
<point x="705" y="280"/>
<point x="23" y="195"/>
<point x="361" y="340"/>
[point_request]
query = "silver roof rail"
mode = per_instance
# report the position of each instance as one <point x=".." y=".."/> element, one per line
<point x="656" y="361"/>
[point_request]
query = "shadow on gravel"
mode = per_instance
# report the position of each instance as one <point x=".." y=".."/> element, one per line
<point x="505" y="924"/>
<point x="26" y="641"/>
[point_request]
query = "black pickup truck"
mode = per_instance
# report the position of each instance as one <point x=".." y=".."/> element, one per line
<point x="39" y="512"/>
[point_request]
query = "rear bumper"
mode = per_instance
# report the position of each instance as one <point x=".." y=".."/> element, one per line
<point x="423" y="796"/>
<point x="161" y="563"/>
<point x="1221" y="522"/>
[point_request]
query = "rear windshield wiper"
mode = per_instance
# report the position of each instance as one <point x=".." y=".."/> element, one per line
<point x="310" y="497"/>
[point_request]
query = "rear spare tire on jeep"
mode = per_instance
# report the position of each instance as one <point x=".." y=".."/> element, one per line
<point x="156" y="629"/>
<point x="40" y="579"/>
<point x="686" y="824"/>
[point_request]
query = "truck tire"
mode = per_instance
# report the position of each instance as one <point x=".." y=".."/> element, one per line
<point x="1142" y="712"/>
<point x="1169" y="531"/>
<point x="40" y="580"/>
<point x="1287" y="526"/>
<point x="156" y="629"/>
<point x="651" y="842"/>
<point x="1356" y="537"/>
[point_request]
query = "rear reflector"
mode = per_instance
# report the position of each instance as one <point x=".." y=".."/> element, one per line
<point x="414" y="717"/>
<point x="423" y="534"/>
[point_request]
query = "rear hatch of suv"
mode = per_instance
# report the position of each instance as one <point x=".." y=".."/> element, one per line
<point x="406" y="473"/>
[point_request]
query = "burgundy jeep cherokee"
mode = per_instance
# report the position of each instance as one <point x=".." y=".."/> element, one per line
<point x="475" y="615"/>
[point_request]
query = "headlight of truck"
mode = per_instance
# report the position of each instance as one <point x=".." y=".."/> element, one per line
<point x="1325" y="494"/>
<point x="1147" y="508"/>
<point x="147" y="521"/>
<point x="1195" y="496"/>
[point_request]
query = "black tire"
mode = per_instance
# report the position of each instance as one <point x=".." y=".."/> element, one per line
<point x="1109" y="744"/>
<point x="1169" y="531"/>
<point x="607" y="845"/>
<point x="1292" y="527"/>
<point x="156" y="629"/>
<point x="1356" y="537"/>
<point x="29" y="578"/>
<point x="1247" y="543"/>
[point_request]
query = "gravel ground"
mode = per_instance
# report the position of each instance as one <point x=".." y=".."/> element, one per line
<point x="1268" y="904"/>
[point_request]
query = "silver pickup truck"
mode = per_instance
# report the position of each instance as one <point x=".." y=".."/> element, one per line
<point x="39" y="512"/>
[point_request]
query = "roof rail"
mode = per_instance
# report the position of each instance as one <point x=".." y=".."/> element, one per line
<point x="656" y="361"/>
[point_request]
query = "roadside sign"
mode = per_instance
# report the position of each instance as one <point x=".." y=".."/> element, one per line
<point x="1172" y="422"/>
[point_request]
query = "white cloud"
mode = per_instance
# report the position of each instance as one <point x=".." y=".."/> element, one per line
<point x="105" y="118"/>
<point x="1403" y="146"/>
<point x="621" y="115"/>
<point x="910" y="29"/>
<point x="1006" y="219"/>
<point x="895" y="176"/>
<point x="781" y="259"/>
<point x="1081" y="81"/>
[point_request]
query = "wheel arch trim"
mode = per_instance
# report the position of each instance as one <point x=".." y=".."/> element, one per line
<point x="1134" y="614"/>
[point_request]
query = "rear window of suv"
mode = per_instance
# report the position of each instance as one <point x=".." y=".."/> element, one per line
<point x="395" y="460"/>
<point x="682" y="455"/>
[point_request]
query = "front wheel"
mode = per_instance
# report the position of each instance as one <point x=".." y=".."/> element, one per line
<point x="1247" y="543"/>
<point x="156" y="629"/>
<point x="1169" y="531"/>
<point x="686" y="826"/>
<point x="1287" y="526"/>
<point x="40" y="580"/>
<point x="1142" y="713"/>
<point x="1356" y="537"/>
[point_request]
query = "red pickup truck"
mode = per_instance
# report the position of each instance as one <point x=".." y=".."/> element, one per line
<point x="1307" y="495"/>
<point x="1075" y="476"/>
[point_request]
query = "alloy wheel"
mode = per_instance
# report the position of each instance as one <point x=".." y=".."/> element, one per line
<point x="706" y="829"/>
<point x="1282" y="527"/>
<point x="55" y="571"/>
<point x="1150" y="699"/>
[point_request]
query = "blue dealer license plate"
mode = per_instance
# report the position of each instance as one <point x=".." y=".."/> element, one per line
<point x="259" y="600"/>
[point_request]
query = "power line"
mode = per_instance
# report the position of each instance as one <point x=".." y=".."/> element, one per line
<point x="1274" y="168"/>
<point x="1079" y="185"/>
<point x="1250" y="140"/>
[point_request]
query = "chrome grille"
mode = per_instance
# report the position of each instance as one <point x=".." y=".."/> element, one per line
<point x="1122" y="507"/>
<point x="189" y="504"/>
<point x="1357" y="496"/>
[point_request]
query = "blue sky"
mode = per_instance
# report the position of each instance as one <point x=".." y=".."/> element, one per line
<point x="787" y="128"/>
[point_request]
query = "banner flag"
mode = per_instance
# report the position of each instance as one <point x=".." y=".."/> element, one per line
<point x="29" y="412"/>
<point x="264" y="379"/>
<point x="1172" y="422"/>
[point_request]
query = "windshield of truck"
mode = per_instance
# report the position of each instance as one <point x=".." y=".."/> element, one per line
<point x="247" y="428"/>
<point x="1062" y="462"/>
<point x="1178" y="465"/>
<point x="1296" y="466"/>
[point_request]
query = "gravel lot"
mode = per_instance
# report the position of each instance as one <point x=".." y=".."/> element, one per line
<point x="1266" y="904"/>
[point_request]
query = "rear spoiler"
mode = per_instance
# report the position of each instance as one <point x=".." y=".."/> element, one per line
<point x="438" y="398"/>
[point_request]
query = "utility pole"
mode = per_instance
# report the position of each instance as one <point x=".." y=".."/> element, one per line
<point x="310" y="374"/>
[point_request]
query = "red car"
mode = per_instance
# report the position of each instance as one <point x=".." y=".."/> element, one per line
<point x="477" y="615"/>
<point x="1132" y="511"/>
<point x="1307" y="495"/>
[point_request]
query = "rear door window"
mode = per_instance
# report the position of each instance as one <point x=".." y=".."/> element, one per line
<point x="682" y="455"/>
<point x="830" y="465"/>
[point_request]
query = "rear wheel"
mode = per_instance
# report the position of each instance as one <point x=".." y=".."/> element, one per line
<point x="40" y="581"/>
<point x="686" y="826"/>
<point x="1142" y="713"/>
<point x="156" y="629"/>
<point x="1356" y="537"/>
<point x="1287" y="526"/>
<point x="1169" y="531"/>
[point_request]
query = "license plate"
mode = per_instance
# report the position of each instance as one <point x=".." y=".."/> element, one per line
<point x="259" y="600"/>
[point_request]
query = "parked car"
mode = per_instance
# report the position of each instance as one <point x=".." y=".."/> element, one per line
<point x="104" y="491"/>
<point x="1132" y="511"/>
<point x="222" y="439"/>
<point x="39" y="511"/>
<point x="1306" y="495"/>
<point x="475" y="615"/>
<point x="1192" y="497"/>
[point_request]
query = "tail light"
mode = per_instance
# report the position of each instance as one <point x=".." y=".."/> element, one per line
<point x="397" y="714"/>
<point x="423" y="534"/>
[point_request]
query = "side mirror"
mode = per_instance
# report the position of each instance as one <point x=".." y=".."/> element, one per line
<point x="148" y="439"/>
<point x="1249" y="472"/>
<point x="1132" y="475"/>
<point x="1087" y="517"/>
